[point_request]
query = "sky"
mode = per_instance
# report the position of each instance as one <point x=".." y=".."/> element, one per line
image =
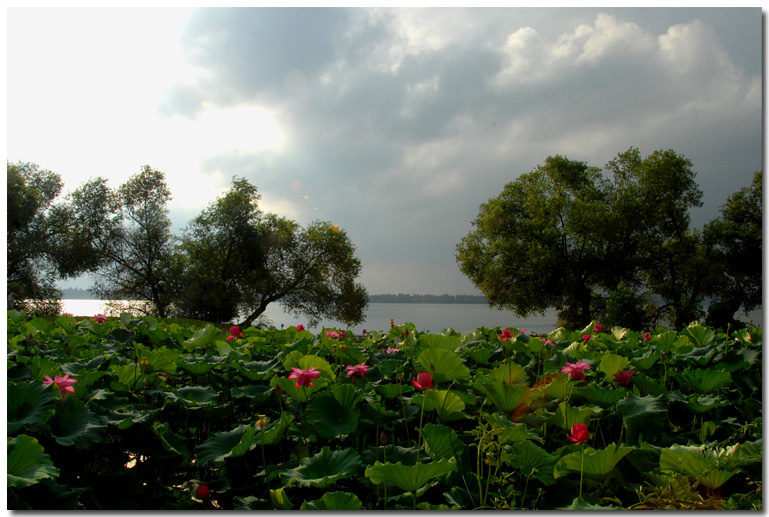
<point x="395" y="124"/>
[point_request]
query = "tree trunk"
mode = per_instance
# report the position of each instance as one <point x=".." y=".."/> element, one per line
<point x="251" y="317"/>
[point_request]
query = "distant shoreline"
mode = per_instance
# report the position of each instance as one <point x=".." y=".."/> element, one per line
<point x="84" y="294"/>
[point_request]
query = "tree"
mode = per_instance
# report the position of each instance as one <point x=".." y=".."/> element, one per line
<point x="736" y="241"/>
<point x="239" y="260"/>
<point x="129" y="232"/>
<point x="38" y="234"/>
<point x="539" y="243"/>
<point x="566" y="236"/>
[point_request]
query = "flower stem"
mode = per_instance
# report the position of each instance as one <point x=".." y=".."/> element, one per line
<point x="582" y="471"/>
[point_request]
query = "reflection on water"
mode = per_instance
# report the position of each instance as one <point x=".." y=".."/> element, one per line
<point x="432" y="317"/>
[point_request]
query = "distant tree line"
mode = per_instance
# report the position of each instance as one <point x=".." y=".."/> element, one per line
<point x="427" y="298"/>
<point x="617" y="244"/>
<point x="229" y="263"/>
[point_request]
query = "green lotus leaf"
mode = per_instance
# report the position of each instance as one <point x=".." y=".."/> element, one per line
<point x="581" y="505"/>
<point x="603" y="397"/>
<point x="700" y="335"/>
<point x="700" y="356"/>
<point x="39" y="366"/>
<point x="27" y="462"/>
<point x="128" y="376"/>
<point x="195" y="395"/>
<point x="391" y="391"/>
<point x="275" y="431"/>
<point x="442" y="442"/>
<point x="558" y="387"/>
<point x="74" y="424"/>
<point x="447" y="404"/>
<point x="443" y="365"/>
<point x="706" y="381"/>
<point x="298" y="360"/>
<point x="280" y="500"/>
<point x="749" y="355"/>
<point x="566" y="415"/>
<point x="597" y="463"/>
<point x="698" y="463"/>
<point x="332" y="417"/>
<point x="648" y="386"/>
<point x="258" y="370"/>
<point x="642" y="416"/>
<point x="669" y="341"/>
<point x="201" y="338"/>
<point x="647" y="360"/>
<point x="702" y="404"/>
<point x="259" y="393"/>
<point x="505" y="397"/>
<point x="195" y="365"/>
<point x="337" y="501"/>
<point x="528" y="457"/>
<point x="611" y="364"/>
<point x="509" y="432"/>
<point x="223" y="348"/>
<point x="323" y="469"/>
<point x="28" y="403"/>
<point x="171" y="441"/>
<point x="411" y="478"/>
<point x="226" y="444"/>
<point x="480" y="354"/>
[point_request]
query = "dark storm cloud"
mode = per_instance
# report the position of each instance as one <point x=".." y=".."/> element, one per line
<point x="401" y="122"/>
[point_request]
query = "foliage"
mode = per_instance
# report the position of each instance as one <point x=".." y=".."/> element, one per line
<point x="238" y="260"/>
<point x="130" y="233"/>
<point x="38" y="232"/>
<point x="170" y="415"/>
<point x="566" y="236"/>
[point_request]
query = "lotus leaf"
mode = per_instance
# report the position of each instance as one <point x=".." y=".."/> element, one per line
<point x="443" y="365"/>
<point x="74" y="424"/>
<point x="603" y="397"/>
<point x="411" y="478"/>
<point x="528" y="457"/>
<point x="28" y="404"/>
<point x="27" y="462"/>
<point x="442" y="442"/>
<point x="227" y="444"/>
<point x="706" y="381"/>
<point x="171" y="441"/>
<point x="332" y="417"/>
<point x="566" y="415"/>
<point x="698" y="463"/>
<point x="323" y="469"/>
<point x="643" y="416"/>
<point x="611" y="364"/>
<point x="258" y="370"/>
<point x="337" y="501"/>
<point x="700" y="335"/>
<point x="597" y="463"/>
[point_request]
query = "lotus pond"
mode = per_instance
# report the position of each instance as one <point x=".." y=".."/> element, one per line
<point x="137" y="413"/>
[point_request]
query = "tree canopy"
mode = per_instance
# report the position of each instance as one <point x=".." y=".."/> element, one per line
<point x="573" y="237"/>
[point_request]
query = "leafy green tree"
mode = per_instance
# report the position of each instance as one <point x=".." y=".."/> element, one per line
<point x="38" y="237"/>
<point x="238" y="260"/>
<point x="539" y="243"/>
<point x="129" y="232"/>
<point x="565" y="236"/>
<point x="736" y="241"/>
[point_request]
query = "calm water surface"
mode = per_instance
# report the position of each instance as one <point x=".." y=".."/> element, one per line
<point x="432" y="317"/>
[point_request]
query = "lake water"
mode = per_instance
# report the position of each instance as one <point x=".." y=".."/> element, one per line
<point x="432" y="317"/>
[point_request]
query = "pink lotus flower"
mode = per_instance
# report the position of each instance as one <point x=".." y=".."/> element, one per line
<point x="579" y="433"/>
<point x="391" y="350"/>
<point x="63" y="383"/>
<point x="505" y="335"/>
<point x="235" y="333"/>
<point x="342" y="333"/>
<point x="332" y="334"/>
<point x="68" y="314"/>
<point x="647" y="336"/>
<point x="424" y="381"/>
<point x="100" y="318"/>
<point x="623" y="378"/>
<point x="300" y="328"/>
<point x="304" y="377"/>
<point x="576" y="371"/>
<point x="549" y="343"/>
<point x="358" y="369"/>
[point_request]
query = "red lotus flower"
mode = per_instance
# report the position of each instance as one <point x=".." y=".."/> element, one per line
<point x="203" y="492"/>
<point x="505" y="335"/>
<point x="99" y="318"/>
<point x="623" y="378"/>
<point x="63" y="383"/>
<point x="304" y="377"/>
<point x="358" y="369"/>
<point x="597" y="327"/>
<point x="576" y="371"/>
<point x="424" y="381"/>
<point x="579" y="433"/>
<point x="586" y="338"/>
<point x="300" y="328"/>
<point x="235" y="333"/>
<point x="647" y="336"/>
